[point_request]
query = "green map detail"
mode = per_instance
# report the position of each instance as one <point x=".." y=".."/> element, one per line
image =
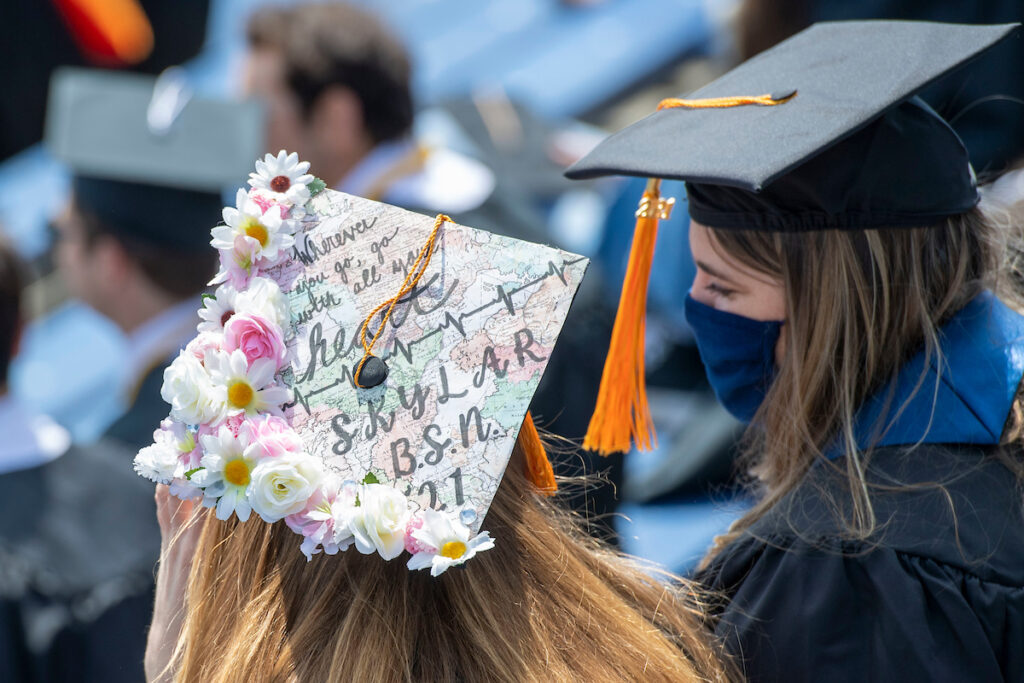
<point x="508" y="395"/>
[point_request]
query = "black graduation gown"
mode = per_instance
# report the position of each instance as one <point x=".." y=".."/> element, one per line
<point x="78" y="546"/>
<point x="134" y="429"/>
<point x="937" y="594"/>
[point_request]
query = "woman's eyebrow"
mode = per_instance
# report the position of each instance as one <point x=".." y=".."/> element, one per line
<point x="714" y="273"/>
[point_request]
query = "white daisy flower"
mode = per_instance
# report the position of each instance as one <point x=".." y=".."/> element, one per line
<point x="446" y="543"/>
<point x="247" y="220"/>
<point x="226" y="474"/>
<point x="194" y="397"/>
<point x="378" y="522"/>
<point x="247" y="389"/>
<point x="217" y="309"/>
<point x="282" y="178"/>
<point x="263" y="297"/>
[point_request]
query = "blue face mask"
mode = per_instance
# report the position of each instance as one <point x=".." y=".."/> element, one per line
<point x="738" y="355"/>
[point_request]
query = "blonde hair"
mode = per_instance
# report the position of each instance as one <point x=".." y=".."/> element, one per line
<point x="859" y="304"/>
<point x="547" y="603"/>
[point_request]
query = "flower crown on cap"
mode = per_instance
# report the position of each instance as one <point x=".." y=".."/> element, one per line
<point x="226" y="440"/>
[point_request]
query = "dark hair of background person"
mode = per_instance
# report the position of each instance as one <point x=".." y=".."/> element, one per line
<point x="984" y="103"/>
<point x="329" y="45"/>
<point x="11" y="284"/>
<point x="181" y="273"/>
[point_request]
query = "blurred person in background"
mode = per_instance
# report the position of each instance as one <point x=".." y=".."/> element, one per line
<point x="146" y="280"/>
<point x="77" y="544"/>
<point x="134" y="241"/>
<point x="336" y="86"/>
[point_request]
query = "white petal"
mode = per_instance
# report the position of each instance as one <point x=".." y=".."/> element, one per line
<point x="238" y="363"/>
<point x="224" y="508"/>
<point x="440" y="565"/>
<point x="262" y="371"/>
<point x="420" y="561"/>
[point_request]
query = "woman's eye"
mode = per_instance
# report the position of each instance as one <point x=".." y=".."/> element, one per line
<point x="719" y="290"/>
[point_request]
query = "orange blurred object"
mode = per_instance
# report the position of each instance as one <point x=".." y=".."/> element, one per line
<point x="109" y="32"/>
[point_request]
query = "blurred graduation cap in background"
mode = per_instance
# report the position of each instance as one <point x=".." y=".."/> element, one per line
<point x="148" y="159"/>
<point x="823" y="131"/>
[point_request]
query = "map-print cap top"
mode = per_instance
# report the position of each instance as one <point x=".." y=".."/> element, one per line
<point x="361" y="372"/>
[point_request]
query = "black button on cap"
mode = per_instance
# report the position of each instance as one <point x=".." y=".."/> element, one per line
<point x="374" y="372"/>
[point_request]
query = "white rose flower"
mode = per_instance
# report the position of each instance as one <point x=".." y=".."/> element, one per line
<point x="378" y="522"/>
<point x="281" y="486"/>
<point x="158" y="462"/>
<point x="263" y="297"/>
<point x="194" y="398"/>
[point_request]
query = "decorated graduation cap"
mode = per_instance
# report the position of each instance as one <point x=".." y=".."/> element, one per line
<point x="823" y="131"/>
<point x="361" y="373"/>
<point x="148" y="158"/>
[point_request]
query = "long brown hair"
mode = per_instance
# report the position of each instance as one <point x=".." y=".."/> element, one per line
<point x="547" y="603"/>
<point x="859" y="304"/>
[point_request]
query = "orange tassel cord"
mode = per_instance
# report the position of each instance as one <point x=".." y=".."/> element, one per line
<point x="621" y="416"/>
<point x="538" y="467"/>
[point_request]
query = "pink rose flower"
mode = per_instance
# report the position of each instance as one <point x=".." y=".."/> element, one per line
<point x="412" y="544"/>
<point x="204" y="341"/>
<point x="256" y="337"/>
<point x="271" y="436"/>
<point x="191" y="459"/>
<point x="324" y="521"/>
<point x="239" y="264"/>
<point x="266" y="204"/>
<point x="232" y="422"/>
<point x="263" y="202"/>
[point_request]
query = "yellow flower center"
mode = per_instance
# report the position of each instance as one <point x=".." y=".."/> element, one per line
<point x="453" y="550"/>
<point x="236" y="472"/>
<point x="240" y="395"/>
<point x="254" y="229"/>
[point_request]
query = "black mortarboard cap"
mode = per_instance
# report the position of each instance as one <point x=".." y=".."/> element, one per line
<point x="853" y="149"/>
<point x="820" y="132"/>
<point x="149" y="160"/>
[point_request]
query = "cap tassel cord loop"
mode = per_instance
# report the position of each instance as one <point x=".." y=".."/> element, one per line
<point x="621" y="415"/>
<point x="725" y="102"/>
<point x="419" y="267"/>
<point x="538" y="466"/>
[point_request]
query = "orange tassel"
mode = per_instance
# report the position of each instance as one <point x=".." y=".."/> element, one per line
<point x="538" y="467"/>
<point x="621" y="415"/>
<point x="110" y="32"/>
